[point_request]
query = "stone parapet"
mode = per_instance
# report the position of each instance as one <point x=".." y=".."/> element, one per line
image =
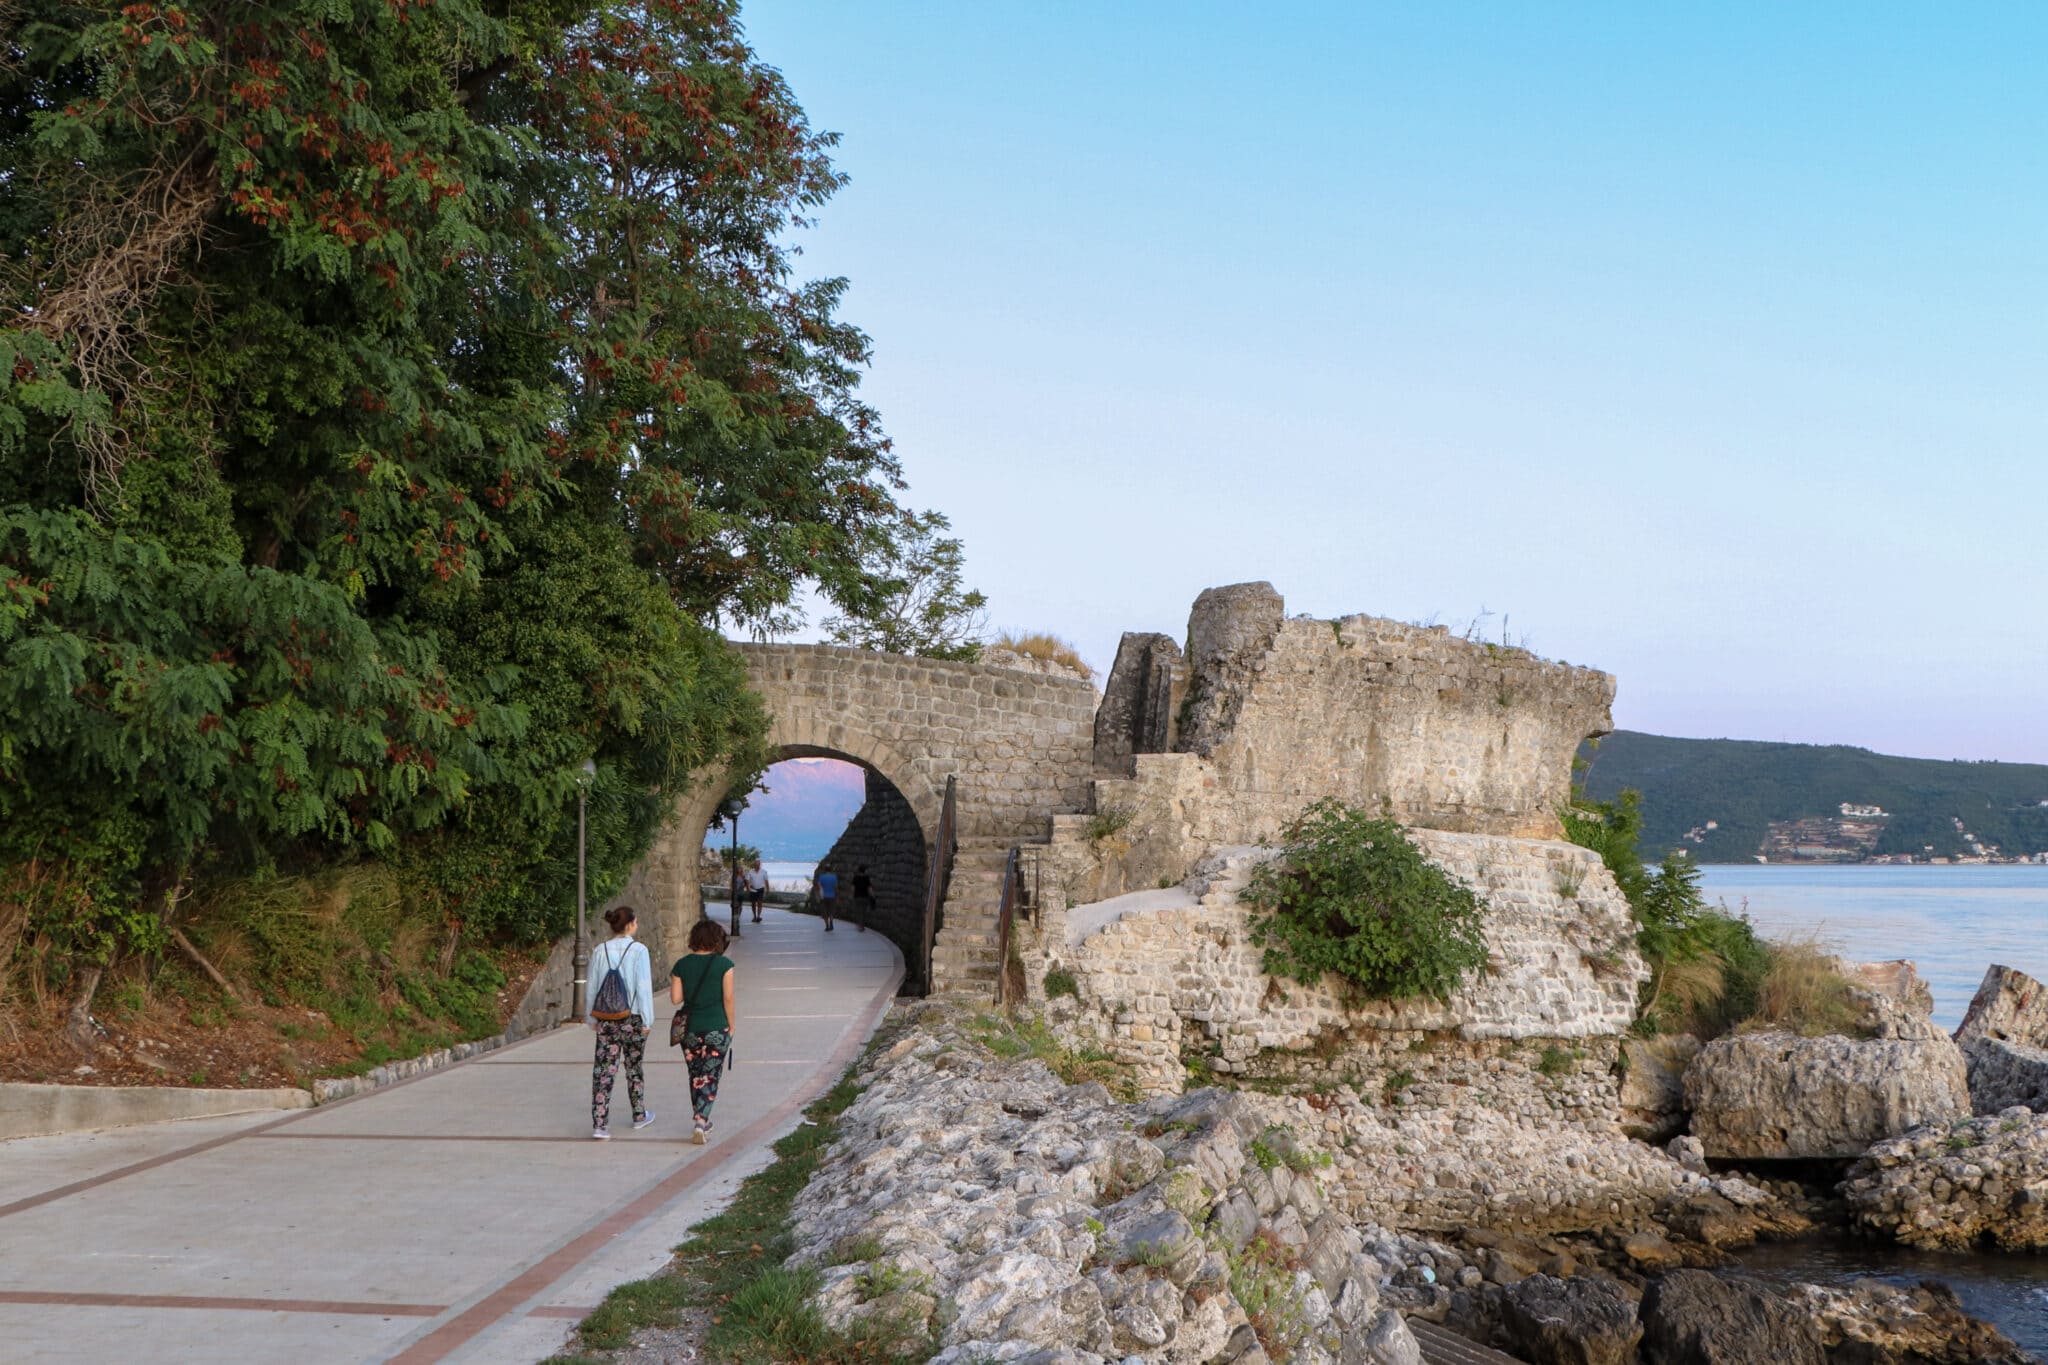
<point x="1435" y="730"/>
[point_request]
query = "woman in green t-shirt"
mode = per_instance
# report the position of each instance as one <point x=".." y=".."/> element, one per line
<point x="701" y="983"/>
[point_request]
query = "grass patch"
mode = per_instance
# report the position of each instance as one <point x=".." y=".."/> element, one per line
<point x="1010" y="1036"/>
<point x="1804" y="990"/>
<point x="1043" y="646"/>
<point x="762" y="1313"/>
<point x="1556" y="1061"/>
<point x="1059" y="981"/>
<point x="1109" y="822"/>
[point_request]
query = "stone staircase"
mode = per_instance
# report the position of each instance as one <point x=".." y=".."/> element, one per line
<point x="964" y="957"/>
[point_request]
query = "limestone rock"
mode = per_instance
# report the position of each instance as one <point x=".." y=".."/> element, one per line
<point x="1385" y="1341"/>
<point x="1653" y="1085"/>
<point x="1954" y="1185"/>
<point x="1583" y="1321"/>
<point x="2009" y="1004"/>
<point x="1777" y="1095"/>
<point x="1691" y="1317"/>
<point x="2003" y="1074"/>
<point x="1875" y="1323"/>
<point x="2004" y="1038"/>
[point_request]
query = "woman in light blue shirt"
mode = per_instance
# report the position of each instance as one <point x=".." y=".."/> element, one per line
<point x="620" y="1018"/>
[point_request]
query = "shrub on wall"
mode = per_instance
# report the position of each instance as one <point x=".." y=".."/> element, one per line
<point x="1352" y="897"/>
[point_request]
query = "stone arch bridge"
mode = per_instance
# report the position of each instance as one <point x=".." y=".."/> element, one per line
<point x="1018" y="744"/>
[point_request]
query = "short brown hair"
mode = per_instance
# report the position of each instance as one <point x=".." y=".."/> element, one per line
<point x="707" y="937"/>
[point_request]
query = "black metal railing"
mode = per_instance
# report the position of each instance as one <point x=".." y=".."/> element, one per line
<point x="1006" y="917"/>
<point x="938" y="872"/>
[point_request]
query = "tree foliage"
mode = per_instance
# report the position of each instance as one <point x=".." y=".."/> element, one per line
<point x="1351" y="896"/>
<point x="396" y="397"/>
<point x="1706" y="965"/>
<point x="920" y="606"/>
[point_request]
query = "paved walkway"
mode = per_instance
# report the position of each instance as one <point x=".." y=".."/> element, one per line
<point x="463" y="1216"/>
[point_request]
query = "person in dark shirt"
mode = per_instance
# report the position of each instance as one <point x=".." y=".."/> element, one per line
<point x="863" y="896"/>
<point x="701" y="983"/>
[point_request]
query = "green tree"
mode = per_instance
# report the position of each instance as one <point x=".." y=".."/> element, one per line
<point x="919" y="606"/>
<point x="395" y="394"/>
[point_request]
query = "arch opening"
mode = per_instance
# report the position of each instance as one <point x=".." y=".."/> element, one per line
<point x="812" y="818"/>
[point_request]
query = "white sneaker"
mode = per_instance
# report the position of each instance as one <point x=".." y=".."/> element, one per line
<point x="644" y="1119"/>
<point x="697" y="1136"/>
<point x="601" y="1134"/>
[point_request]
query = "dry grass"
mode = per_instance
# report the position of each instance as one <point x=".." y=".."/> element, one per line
<point x="1039" y="644"/>
<point x="1804" y="991"/>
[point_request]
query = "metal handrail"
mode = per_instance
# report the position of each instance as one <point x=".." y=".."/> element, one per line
<point x="938" y="872"/>
<point x="1005" y="917"/>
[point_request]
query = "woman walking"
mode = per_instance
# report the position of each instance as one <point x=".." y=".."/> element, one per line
<point x="701" y="983"/>
<point x="620" y="1010"/>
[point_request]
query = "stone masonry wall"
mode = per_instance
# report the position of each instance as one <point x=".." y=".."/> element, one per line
<point x="884" y="836"/>
<point x="1434" y="730"/>
<point x="1020" y="743"/>
<point x="1177" y="976"/>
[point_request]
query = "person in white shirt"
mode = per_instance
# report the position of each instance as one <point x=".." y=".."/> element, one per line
<point x="621" y="1018"/>
<point x="757" y="888"/>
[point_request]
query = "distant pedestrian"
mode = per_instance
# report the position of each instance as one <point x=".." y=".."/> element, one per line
<point x="757" y="888"/>
<point x="828" y="895"/>
<point x="701" y="984"/>
<point x="863" y="896"/>
<point x="620" y="1009"/>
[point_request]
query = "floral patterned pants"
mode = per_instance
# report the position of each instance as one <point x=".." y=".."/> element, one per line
<point x="618" y="1040"/>
<point x="705" y="1052"/>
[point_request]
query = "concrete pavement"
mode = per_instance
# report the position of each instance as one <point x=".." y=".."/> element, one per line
<point x="463" y="1216"/>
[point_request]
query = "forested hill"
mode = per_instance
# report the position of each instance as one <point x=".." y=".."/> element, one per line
<point x="1745" y="788"/>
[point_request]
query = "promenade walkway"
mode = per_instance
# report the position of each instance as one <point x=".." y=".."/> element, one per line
<point x="463" y="1216"/>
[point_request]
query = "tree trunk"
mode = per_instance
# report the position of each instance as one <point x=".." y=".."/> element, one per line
<point x="79" y="1026"/>
<point x="448" y="949"/>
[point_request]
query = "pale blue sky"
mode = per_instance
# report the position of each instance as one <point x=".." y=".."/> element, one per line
<point x="1706" y="342"/>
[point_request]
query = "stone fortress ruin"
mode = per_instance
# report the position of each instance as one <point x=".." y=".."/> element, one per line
<point x="1133" y="820"/>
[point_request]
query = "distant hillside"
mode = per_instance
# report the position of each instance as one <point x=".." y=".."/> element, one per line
<point x="1788" y="799"/>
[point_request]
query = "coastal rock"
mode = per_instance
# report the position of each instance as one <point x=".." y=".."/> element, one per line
<point x="1691" y="1317"/>
<point x="1895" y="999"/>
<point x="1581" y="1321"/>
<point x="2010" y="1005"/>
<point x="1873" y="1323"/>
<point x="1777" y="1095"/>
<point x="2004" y="1038"/>
<point x="1653" y="1085"/>
<point x="2004" y="1074"/>
<point x="1956" y="1185"/>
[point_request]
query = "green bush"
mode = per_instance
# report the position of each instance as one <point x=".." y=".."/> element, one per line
<point x="1059" y="981"/>
<point x="1352" y="897"/>
<point x="1707" y="966"/>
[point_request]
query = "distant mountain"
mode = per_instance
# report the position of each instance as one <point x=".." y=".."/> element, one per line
<point x="804" y="808"/>
<point x="1728" y="800"/>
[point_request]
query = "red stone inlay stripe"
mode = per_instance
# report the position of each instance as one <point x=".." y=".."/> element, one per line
<point x="505" y="1300"/>
<point x="373" y="1310"/>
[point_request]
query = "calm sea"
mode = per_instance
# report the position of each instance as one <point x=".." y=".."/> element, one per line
<point x="1952" y="921"/>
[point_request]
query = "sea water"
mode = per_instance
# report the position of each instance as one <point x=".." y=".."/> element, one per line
<point x="1953" y="922"/>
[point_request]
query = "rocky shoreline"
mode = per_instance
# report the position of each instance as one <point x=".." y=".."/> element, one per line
<point x="1019" y="1218"/>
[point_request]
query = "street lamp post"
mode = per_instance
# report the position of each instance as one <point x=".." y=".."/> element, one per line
<point x="582" y="984"/>
<point x="730" y="808"/>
